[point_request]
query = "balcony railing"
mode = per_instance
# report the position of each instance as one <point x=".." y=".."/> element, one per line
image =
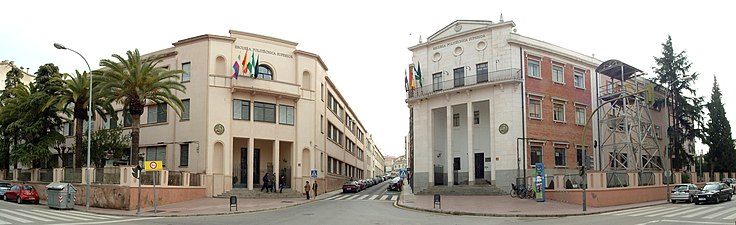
<point x="490" y="77"/>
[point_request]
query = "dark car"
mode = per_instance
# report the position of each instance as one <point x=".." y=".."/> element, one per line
<point x="362" y="185"/>
<point x="394" y="184"/>
<point x="714" y="192"/>
<point x="21" y="193"/>
<point x="351" y="186"/>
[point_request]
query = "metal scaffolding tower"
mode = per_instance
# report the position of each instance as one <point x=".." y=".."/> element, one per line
<point x="628" y="140"/>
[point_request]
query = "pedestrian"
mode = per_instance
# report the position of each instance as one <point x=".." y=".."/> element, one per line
<point x="272" y="178"/>
<point x="282" y="179"/>
<point x="314" y="187"/>
<point x="306" y="189"/>
<point x="265" y="183"/>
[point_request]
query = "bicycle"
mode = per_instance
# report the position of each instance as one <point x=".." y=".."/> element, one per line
<point x="519" y="191"/>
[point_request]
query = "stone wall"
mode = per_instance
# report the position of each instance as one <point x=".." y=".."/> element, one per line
<point x="102" y="196"/>
<point x="610" y="196"/>
<point x="164" y="195"/>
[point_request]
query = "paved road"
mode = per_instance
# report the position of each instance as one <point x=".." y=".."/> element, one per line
<point x="13" y="213"/>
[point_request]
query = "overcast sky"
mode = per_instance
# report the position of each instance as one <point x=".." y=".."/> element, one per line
<point x="364" y="44"/>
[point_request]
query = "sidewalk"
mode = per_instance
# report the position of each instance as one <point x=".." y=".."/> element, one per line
<point x="505" y="206"/>
<point x="210" y="206"/>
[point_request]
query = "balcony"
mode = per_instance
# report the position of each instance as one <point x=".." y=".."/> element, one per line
<point x="493" y="77"/>
<point x="261" y="86"/>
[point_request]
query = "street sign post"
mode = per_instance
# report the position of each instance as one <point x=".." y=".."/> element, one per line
<point x="314" y="173"/>
<point x="154" y="166"/>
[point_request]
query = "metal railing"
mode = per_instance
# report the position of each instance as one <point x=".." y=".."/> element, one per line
<point x="46" y="175"/>
<point x="646" y="178"/>
<point x="573" y="181"/>
<point x="24" y="175"/>
<point x="72" y="175"/>
<point x="617" y="179"/>
<point x="147" y="178"/>
<point x="176" y="178"/>
<point x="493" y="76"/>
<point x="195" y="179"/>
<point x="107" y="175"/>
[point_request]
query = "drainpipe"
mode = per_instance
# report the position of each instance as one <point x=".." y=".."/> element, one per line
<point x="523" y="114"/>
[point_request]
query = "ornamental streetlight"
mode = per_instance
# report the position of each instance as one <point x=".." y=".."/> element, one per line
<point x="89" y="112"/>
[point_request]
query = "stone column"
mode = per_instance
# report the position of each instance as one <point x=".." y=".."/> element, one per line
<point x="276" y="162"/>
<point x="471" y="156"/>
<point x="251" y="145"/>
<point x="35" y="174"/>
<point x="15" y="174"/>
<point x="706" y="177"/>
<point x="430" y="149"/>
<point x="185" y="178"/>
<point x="633" y="179"/>
<point x="449" y="145"/>
<point x="678" y="177"/>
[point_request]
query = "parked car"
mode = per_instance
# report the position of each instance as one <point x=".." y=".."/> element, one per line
<point x="362" y="185"/>
<point x="21" y="193"/>
<point x="351" y="186"/>
<point x="4" y="186"/>
<point x="714" y="192"/>
<point x="730" y="182"/>
<point x="684" y="192"/>
<point x="394" y="184"/>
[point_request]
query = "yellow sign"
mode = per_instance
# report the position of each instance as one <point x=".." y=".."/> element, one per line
<point x="153" y="165"/>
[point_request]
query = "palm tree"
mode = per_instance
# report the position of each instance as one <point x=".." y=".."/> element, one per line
<point x="76" y="94"/>
<point x="133" y="82"/>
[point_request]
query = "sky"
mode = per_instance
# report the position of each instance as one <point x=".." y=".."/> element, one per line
<point x="364" y="43"/>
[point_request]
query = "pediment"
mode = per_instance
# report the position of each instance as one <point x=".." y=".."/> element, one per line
<point x="459" y="26"/>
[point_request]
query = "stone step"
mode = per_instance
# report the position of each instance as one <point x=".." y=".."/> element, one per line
<point x="465" y="190"/>
<point x="256" y="193"/>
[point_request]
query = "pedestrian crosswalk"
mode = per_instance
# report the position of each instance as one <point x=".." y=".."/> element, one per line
<point x="348" y="197"/>
<point x="46" y="216"/>
<point x="706" y="212"/>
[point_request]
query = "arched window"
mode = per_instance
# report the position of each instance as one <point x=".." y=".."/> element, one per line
<point x="265" y="72"/>
<point x="307" y="80"/>
<point x="220" y="66"/>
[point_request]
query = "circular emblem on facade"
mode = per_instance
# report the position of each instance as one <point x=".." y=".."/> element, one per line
<point x="436" y="56"/>
<point x="481" y="45"/>
<point x="503" y="128"/>
<point x="458" y="27"/>
<point x="219" y="129"/>
<point x="458" y="51"/>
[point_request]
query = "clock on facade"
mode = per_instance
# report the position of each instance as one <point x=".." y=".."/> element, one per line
<point x="503" y="128"/>
<point x="219" y="129"/>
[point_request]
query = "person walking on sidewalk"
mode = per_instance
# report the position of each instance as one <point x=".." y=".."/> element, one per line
<point x="282" y="179"/>
<point x="272" y="178"/>
<point x="265" y="183"/>
<point x="314" y="187"/>
<point x="306" y="189"/>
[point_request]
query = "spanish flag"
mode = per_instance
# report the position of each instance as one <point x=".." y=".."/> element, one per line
<point x="406" y="82"/>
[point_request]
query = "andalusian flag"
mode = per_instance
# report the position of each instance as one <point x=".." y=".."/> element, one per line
<point x="236" y="68"/>
<point x="245" y="59"/>
<point x="418" y="71"/>
<point x="251" y="65"/>
<point x="406" y="82"/>
<point x="255" y="66"/>
<point x="411" y="75"/>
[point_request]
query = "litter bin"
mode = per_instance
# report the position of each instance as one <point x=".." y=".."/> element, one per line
<point x="60" y="195"/>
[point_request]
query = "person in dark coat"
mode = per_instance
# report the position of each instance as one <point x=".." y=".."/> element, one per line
<point x="272" y="185"/>
<point x="314" y="187"/>
<point x="282" y="179"/>
<point x="265" y="182"/>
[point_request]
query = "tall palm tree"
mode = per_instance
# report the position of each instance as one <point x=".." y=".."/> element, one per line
<point x="133" y="82"/>
<point x="76" y="94"/>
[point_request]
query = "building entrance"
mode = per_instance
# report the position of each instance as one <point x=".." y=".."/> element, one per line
<point x="479" y="165"/>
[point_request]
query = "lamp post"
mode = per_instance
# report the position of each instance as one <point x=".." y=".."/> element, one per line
<point x="89" y="113"/>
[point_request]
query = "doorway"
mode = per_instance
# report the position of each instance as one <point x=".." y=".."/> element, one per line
<point x="244" y="165"/>
<point x="479" y="165"/>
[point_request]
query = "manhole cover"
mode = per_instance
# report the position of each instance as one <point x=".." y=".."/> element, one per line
<point x="287" y="202"/>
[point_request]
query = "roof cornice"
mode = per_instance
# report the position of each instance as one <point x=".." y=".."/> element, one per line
<point x="300" y="52"/>
<point x="203" y="37"/>
<point x="278" y="40"/>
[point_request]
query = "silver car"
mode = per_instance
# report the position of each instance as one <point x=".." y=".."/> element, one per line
<point x="4" y="186"/>
<point x="684" y="192"/>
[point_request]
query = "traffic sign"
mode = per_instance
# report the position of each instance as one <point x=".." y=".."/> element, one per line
<point x="402" y="173"/>
<point x="314" y="173"/>
<point x="153" y="165"/>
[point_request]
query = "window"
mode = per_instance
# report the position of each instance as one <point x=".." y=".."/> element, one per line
<point x="241" y="109"/>
<point x="625" y="159"/>
<point x="533" y="68"/>
<point x="286" y="114"/>
<point x="482" y="72"/>
<point x="68" y="129"/>
<point x="265" y="72"/>
<point x="127" y="119"/>
<point x="334" y="134"/>
<point x="476" y="117"/>
<point x="334" y="106"/>
<point x="580" y="115"/>
<point x="329" y="164"/>
<point x="109" y="122"/>
<point x="609" y="87"/>
<point x="579" y="79"/>
<point x="187" y="67"/>
<point x="264" y="112"/>
<point x="322" y="91"/>
<point x="459" y="74"/>
<point x="185" y="112"/>
<point x="535" y="108"/>
<point x="536" y="154"/>
<point x="322" y="123"/>
<point x="614" y="162"/>
<point x="157" y="113"/>
<point x="657" y="131"/>
<point x="156" y="153"/>
<point x="559" y="112"/>
<point x="558" y="74"/>
<point x="456" y="120"/>
<point x="184" y="155"/>
<point x="559" y="156"/>
<point x="437" y="81"/>
<point x="579" y="156"/>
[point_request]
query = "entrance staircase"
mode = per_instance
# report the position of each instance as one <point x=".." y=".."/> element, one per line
<point x="478" y="188"/>
<point x="256" y="193"/>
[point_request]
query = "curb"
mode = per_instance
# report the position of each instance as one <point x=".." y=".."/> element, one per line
<point x="463" y="213"/>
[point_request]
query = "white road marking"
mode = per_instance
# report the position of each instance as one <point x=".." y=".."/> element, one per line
<point x="714" y="215"/>
<point x="15" y="218"/>
<point x="694" y="222"/>
<point x="394" y="198"/>
<point x="388" y="197"/>
<point x="3" y="222"/>
<point x="60" y="215"/>
<point x="26" y="215"/>
<point x="353" y="197"/>
<point x="628" y="211"/>
<point x="730" y="217"/>
<point x="362" y="197"/>
<point x="97" y="215"/>
<point x="374" y="197"/>
<point x="342" y="197"/>
<point x="641" y="213"/>
<point x="691" y="215"/>
<point x="682" y="212"/>
<point x="105" y="222"/>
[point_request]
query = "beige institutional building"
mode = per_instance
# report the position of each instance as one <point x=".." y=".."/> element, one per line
<point x="290" y="120"/>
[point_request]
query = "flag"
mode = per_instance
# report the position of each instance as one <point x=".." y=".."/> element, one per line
<point x="406" y="82"/>
<point x="245" y="68"/>
<point x="255" y="66"/>
<point x="236" y="68"/>
<point x="411" y="75"/>
<point x="418" y="71"/>
<point x="251" y="65"/>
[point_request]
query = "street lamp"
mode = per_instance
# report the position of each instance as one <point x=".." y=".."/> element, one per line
<point x="89" y="113"/>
